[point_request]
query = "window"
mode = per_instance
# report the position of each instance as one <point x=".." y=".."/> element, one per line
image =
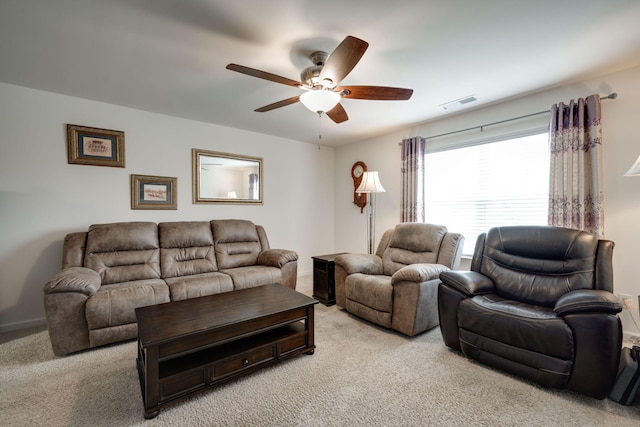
<point x="474" y="188"/>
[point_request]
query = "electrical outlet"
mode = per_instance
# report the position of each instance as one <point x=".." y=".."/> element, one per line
<point x="627" y="302"/>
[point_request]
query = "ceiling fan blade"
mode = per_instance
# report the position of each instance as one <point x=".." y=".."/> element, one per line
<point x="342" y="60"/>
<point x="278" y="104"/>
<point x="263" y="75"/>
<point x="382" y="93"/>
<point x="338" y="114"/>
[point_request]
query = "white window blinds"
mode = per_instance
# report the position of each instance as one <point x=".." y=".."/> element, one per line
<point x="474" y="188"/>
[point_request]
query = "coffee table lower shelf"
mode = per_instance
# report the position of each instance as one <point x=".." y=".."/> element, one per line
<point x="183" y="376"/>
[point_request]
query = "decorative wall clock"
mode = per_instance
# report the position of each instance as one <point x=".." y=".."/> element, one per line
<point x="357" y="170"/>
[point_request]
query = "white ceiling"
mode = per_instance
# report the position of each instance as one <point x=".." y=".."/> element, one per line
<point x="169" y="56"/>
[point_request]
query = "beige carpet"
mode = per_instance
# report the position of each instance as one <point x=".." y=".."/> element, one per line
<point x="360" y="375"/>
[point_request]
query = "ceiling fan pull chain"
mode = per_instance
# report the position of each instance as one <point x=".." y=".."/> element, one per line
<point x="319" y="124"/>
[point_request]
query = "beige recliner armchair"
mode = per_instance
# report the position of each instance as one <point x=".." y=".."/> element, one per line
<point x="397" y="287"/>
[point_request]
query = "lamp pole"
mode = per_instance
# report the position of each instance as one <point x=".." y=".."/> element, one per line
<point x="371" y="184"/>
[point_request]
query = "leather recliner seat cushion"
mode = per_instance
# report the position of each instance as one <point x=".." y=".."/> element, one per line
<point x="531" y="340"/>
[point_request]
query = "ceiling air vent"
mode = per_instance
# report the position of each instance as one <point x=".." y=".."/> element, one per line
<point x="459" y="103"/>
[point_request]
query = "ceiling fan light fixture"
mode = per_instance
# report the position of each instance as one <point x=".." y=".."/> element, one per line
<point x="320" y="100"/>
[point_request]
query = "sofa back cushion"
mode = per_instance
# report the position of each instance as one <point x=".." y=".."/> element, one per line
<point x="122" y="252"/>
<point x="412" y="243"/>
<point x="186" y="248"/>
<point x="538" y="264"/>
<point x="236" y="243"/>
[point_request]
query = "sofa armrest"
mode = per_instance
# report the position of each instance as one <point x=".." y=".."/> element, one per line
<point x="276" y="257"/>
<point x="74" y="279"/>
<point x="467" y="282"/>
<point x="587" y="301"/>
<point x="418" y="273"/>
<point x="359" y="263"/>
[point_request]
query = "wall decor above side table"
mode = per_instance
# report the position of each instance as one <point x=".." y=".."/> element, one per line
<point x="324" y="283"/>
<point x="357" y="170"/>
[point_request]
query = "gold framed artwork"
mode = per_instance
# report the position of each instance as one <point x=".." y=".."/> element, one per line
<point x="95" y="146"/>
<point x="154" y="192"/>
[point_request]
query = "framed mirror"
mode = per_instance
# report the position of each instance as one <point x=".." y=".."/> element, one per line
<point x="226" y="178"/>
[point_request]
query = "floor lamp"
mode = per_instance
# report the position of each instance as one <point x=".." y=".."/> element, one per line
<point x="635" y="169"/>
<point x="371" y="185"/>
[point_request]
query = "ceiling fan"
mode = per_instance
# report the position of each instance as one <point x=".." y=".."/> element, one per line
<point x="320" y="82"/>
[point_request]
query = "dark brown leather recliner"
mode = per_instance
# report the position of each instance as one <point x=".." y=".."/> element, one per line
<point x="537" y="303"/>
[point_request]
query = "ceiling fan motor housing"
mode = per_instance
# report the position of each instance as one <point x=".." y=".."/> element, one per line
<point x="310" y="76"/>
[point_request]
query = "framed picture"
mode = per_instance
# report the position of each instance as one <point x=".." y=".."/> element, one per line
<point x="154" y="192"/>
<point x="93" y="146"/>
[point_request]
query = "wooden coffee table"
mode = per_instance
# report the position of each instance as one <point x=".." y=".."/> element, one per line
<point x="188" y="346"/>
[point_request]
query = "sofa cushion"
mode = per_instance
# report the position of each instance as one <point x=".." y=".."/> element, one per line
<point x="186" y="248"/>
<point x="115" y="304"/>
<point x="252" y="276"/>
<point x="122" y="252"/>
<point x="237" y="243"/>
<point x="198" y="285"/>
<point x="412" y="243"/>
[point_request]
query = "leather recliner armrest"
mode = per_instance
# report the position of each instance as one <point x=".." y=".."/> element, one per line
<point x="587" y="301"/>
<point x="467" y="282"/>
<point x="360" y="263"/>
<point x="276" y="257"/>
<point x="74" y="279"/>
<point x="418" y="273"/>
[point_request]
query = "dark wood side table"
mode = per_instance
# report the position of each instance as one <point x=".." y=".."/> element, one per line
<point x="324" y="284"/>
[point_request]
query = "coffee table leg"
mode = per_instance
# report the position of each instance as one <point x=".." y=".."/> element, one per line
<point x="309" y="326"/>
<point x="151" y="378"/>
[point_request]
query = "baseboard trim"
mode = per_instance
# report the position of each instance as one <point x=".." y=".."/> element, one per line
<point x="23" y="325"/>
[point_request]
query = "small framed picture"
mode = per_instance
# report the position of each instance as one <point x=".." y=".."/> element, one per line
<point x="94" y="146"/>
<point x="154" y="192"/>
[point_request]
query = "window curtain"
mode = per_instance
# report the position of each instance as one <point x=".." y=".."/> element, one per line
<point x="575" y="180"/>
<point x="412" y="209"/>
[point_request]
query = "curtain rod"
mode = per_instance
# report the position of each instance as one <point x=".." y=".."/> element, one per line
<point x="613" y="95"/>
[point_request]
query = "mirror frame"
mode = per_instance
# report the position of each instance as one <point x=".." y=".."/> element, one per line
<point x="197" y="154"/>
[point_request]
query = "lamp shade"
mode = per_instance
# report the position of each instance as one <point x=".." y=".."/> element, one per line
<point x="635" y="169"/>
<point x="370" y="183"/>
<point x="320" y="100"/>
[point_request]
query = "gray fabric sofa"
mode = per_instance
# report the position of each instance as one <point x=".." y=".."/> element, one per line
<point x="111" y="269"/>
<point x="397" y="286"/>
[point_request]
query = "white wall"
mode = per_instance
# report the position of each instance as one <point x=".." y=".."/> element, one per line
<point x="621" y="146"/>
<point x="42" y="197"/>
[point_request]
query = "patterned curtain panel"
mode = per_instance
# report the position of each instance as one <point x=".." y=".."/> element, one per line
<point x="412" y="209"/>
<point x="575" y="184"/>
